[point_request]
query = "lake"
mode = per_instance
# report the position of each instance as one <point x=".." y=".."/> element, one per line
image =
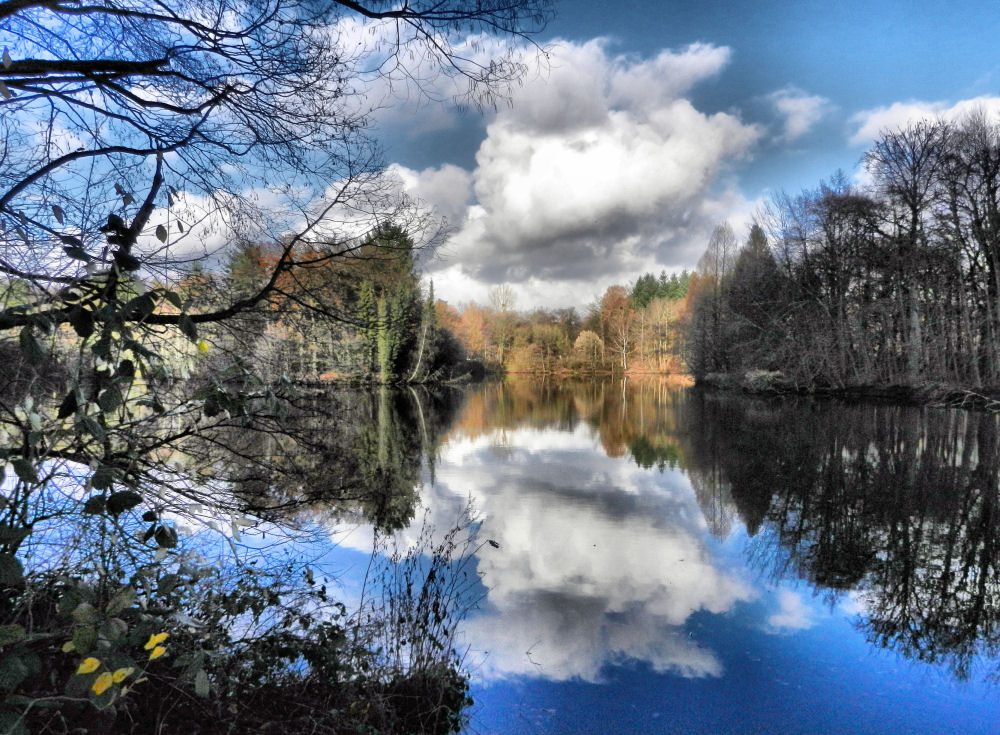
<point x="659" y="559"/>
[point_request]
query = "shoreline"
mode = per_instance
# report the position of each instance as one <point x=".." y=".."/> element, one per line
<point x="760" y="382"/>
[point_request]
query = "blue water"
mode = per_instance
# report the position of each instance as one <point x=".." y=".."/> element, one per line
<point x="824" y="680"/>
<point x="630" y="597"/>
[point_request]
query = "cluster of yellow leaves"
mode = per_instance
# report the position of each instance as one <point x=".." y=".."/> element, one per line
<point x="90" y="664"/>
<point x="154" y="647"/>
<point x="107" y="678"/>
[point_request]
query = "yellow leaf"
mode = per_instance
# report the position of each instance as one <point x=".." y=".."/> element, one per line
<point x="155" y="640"/>
<point x="157" y="652"/>
<point x="68" y="647"/>
<point x="121" y="675"/>
<point x="103" y="682"/>
<point x="202" y="345"/>
<point x="88" y="665"/>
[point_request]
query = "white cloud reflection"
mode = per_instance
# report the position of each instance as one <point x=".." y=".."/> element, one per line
<point x="793" y="613"/>
<point x="600" y="562"/>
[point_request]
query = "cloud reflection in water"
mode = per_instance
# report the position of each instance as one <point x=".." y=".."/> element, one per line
<point x="600" y="562"/>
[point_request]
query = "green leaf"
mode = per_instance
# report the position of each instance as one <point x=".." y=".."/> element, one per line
<point x="110" y="398"/>
<point x="30" y="346"/>
<point x="153" y="403"/>
<point x="122" y="599"/>
<point x="68" y="406"/>
<point x="120" y="502"/>
<point x="77" y="253"/>
<point x="103" y="478"/>
<point x="11" y="633"/>
<point x="13" y="670"/>
<point x="91" y="426"/>
<point x="212" y="406"/>
<point x="201" y="687"/>
<point x="127" y="262"/>
<point x="95" y="505"/>
<point x="83" y="638"/>
<point x="188" y="328"/>
<point x="11" y="571"/>
<point x="137" y="348"/>
<point x="25" y="470"/>
<point x="84" y="613"/>
<point x="166" y="537"/>
<point x="173" y="298"/>
<point x="140" y="307"/>
<point x="102" y="347"/>
<point x="114" y="629"/>
<point x="11" y="723"/>
<point x="82" y="321"/>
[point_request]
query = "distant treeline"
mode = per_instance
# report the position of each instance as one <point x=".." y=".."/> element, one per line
<point x="893" y="282"/>
<point x="628" y="328"/>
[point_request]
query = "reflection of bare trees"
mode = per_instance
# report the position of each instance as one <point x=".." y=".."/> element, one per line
<point x="898" y="505"/>
<point x="345" y="452"/>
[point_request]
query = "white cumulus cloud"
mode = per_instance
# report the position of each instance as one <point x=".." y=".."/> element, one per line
<point x="868" y="124"/>
<point x="600" y="170"/>
<point x="793" y="613"/>
<point x="801" y="111"/>
<point x="446" y="189"/>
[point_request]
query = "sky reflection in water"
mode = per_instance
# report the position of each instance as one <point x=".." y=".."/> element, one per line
<point x="631" y="598"/>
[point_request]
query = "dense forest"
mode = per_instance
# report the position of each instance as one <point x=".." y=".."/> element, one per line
<point x="896" y="282"/>
<point x="364" y="316"/>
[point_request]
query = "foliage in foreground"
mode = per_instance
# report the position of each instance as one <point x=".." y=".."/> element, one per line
<point x="136" y="138"/>
<point x="183" y="646"/>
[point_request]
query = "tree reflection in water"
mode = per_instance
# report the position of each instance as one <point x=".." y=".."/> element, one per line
<point x="336" y="454"/>
<point x="897" y="505"/>
<point x="894" y="506"/>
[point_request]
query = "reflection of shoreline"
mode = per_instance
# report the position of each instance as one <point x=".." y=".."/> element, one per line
<point x="621" y="410"/>
<point x="895" y="508"/>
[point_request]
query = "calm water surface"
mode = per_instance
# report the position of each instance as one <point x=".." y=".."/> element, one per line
<point x="672" y="561"/>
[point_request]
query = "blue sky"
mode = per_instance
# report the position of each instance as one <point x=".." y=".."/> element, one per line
<point x="654" y="121"/>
